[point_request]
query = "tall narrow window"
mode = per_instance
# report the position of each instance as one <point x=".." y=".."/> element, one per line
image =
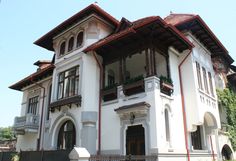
<point x="49" y="101"/>
<point x="33" y="105"/>
<point x="196" y="139"/>
<point x="80" y="38"/>
<point x="68" y="83"/>
<point x="167" y="125"/>
<point x="205" y="79"/>
<point x="111" y="78"/>
<point x="66" y="136"/>
<point x="199" y="75"/>
<point x="62" y="48"/>
<point x="71" y="44"/>
<point x="211" y="83"/>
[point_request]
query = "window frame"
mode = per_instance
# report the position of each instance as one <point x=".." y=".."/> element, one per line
<point x="78" y="46"/>
<point x="64" y="134"/>
<point x="211" y="84"/>
<point x="198" y="134"/>
<point x="69" y="47"/>
<point x="167" y="125"/>
<point x="204" y="73"/>
<point x="33" y="104"/>
<point x="62" y="82"/>
<point x="199" y="76"/>
<point x="60" y="49"/>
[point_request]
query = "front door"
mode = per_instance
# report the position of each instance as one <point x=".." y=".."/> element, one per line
<point x="135" y="140"/>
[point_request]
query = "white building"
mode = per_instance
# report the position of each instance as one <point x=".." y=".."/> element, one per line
<point x="120" y="87"/>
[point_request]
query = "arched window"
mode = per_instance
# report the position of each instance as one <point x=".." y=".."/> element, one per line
<point x="66" y="136"/>
<point x="71" y="44"/>
<point x="167" y="125"/>
<point x="79" y="39"/>
<point x="62" y="48"/>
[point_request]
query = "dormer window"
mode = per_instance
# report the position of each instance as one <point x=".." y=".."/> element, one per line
<point x="80" y="38"/>
<point x="62" y="48"/>
<point x="71" y="44"/>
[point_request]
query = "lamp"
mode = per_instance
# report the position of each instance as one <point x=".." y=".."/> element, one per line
<point x="132" y="117"/>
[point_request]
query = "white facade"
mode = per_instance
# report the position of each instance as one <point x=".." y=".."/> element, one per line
<point x="159" y="115"/>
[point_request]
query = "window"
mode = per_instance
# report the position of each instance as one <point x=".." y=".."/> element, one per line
<point x="66" y="136"/>
<point x="111" y="78"/>
<point x="33" y="104"/>
<point x="205" y="80"/>
<point x="62" y="48"/>
<point x="71" y="44"/>
<point x="167" y="125"/>
<point x="210" y="83"/>
<point x="199" y="77"/>
<point x="196" y="139"/>
<point x="68" y="84"/>
<point x="80" y="38"/>
<point x="49" y="101"/>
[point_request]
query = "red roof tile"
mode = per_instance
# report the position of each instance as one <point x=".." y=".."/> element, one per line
<point x="33" y="77"/>
<point x="136" y="25"/>
<point x="179" y="20"/>
<point x="46" y="40"/>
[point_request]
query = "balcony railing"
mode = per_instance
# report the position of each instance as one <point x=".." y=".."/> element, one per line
<point x="134" y="86"/>
<point x="137" y="85"/>
<point x="27" y="123"/>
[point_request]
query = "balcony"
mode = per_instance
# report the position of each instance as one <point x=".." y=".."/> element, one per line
<point x="28" y="123"/>
<point x="134" y="86"/>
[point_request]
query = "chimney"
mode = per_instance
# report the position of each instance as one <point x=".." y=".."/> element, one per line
<point x="42" y="64"/>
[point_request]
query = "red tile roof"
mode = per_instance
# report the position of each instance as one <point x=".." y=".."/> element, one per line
<point x="46" y="40"/>
<point x="175" y="19"/>
<point x="185" y="21"/>
<point x="132" y="29"/>
<point x="40" y="74"/>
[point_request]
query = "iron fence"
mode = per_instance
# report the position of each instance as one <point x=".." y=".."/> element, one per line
<point x="6" y="156"/>
<point x="123" y="158"/>
<point x="54" y="155"/>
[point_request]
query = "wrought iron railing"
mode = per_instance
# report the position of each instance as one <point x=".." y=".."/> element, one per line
<point x="123" y="158"/>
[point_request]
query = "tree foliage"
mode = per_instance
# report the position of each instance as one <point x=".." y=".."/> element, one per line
<point x="6" y="133"/>
<point x="227" y="99"/>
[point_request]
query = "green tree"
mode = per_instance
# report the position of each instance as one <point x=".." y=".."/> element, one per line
<point x="227" y="99"/>
<point x="6" y="133"/>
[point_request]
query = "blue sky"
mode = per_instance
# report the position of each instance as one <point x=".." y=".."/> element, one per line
<point x="24" y="21"/>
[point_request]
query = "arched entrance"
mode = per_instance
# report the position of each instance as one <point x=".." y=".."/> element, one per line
<point x="226" y="153"/>
<point x="135" y="140"/>
<point x="66" y="136"/>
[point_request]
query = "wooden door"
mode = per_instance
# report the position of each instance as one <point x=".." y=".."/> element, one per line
<point x="135" y="140"/>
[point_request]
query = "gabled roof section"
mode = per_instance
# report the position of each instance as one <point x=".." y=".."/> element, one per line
<point x="201" y="31"/>
<point x="46" y="40"/>
<point x="124" y="24"/>
<point x="35" y="77"/>
<point x="139" y="25"/>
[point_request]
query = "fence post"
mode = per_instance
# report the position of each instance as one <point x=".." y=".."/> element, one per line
<point x="79" y="154"/>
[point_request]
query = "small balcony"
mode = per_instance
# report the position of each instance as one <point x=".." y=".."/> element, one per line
<point x="28" y="123"/>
